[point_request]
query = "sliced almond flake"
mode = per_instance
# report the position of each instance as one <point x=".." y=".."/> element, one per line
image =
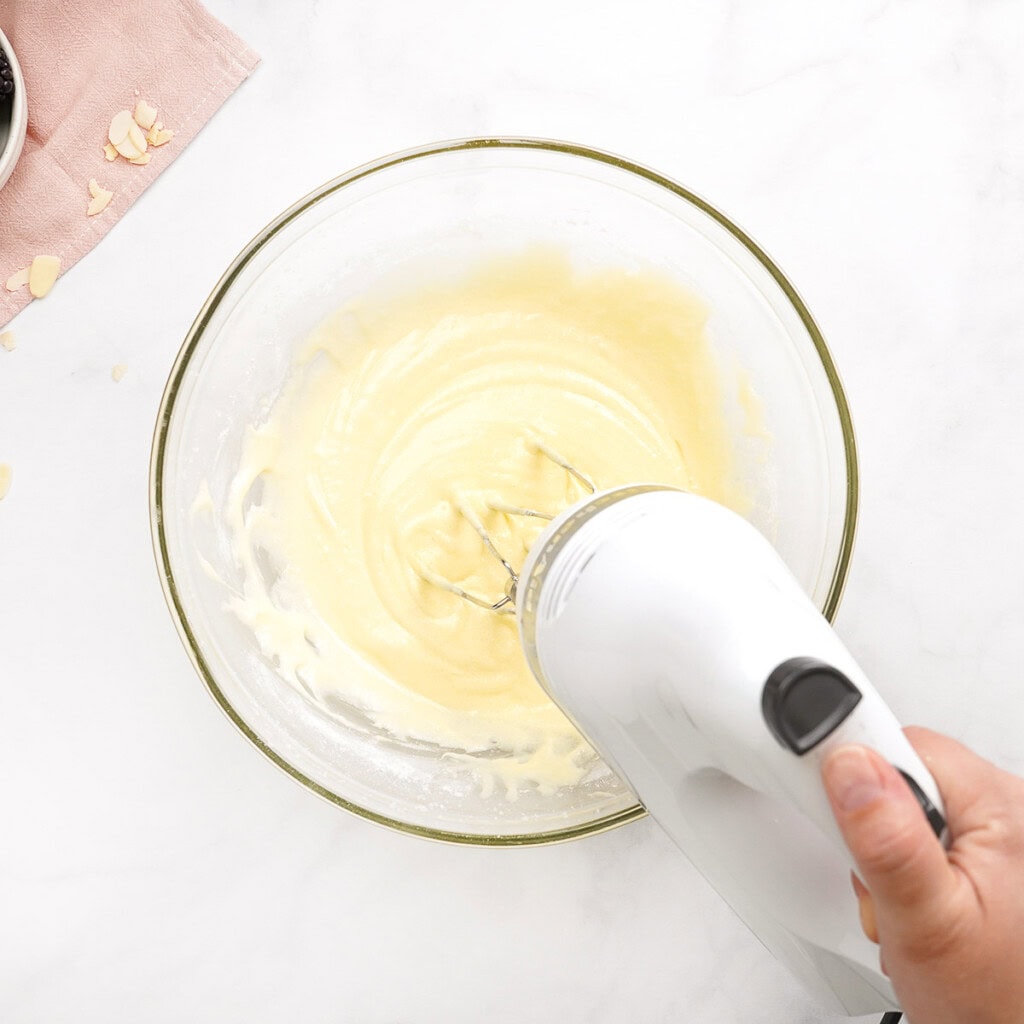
<point x="99" y="204"/>
<point x="118" y="372"/>
<point x="100" y="198"/>
<point x="8" y="341"/>
<point x="5" y="479"/>
<point x="157" y="137"/>
<point x="41" y="275"/>
<point x="17" y="280"/>
<point x="109" y="152"/>
<point x="137" y="137"/>
<point x="144" y="115"/>
<point x="120" y="125"/>
<point x="142" y="158"/>
<point x="128" y="149"/>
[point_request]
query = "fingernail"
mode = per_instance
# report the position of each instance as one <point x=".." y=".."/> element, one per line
<point x="852" y="778"/>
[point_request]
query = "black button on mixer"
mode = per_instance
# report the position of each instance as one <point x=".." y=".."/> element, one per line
<point x="804" y="699"/>
<point x="931" y="812"/>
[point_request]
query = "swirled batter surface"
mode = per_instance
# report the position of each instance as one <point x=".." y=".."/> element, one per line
<point x="404" y="418"/>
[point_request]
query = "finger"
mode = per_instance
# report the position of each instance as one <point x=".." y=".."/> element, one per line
<point x="858" y="886"/>
<point x="898" y="857"/>
<point x="868" y="922"/>
<point x="972" y="788"/>
<point x="866" y="909"/>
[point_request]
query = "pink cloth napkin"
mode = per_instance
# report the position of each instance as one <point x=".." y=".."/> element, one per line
<point x="83" y="61"/>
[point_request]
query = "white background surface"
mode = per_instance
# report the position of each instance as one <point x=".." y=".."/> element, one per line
<point x="153" y="866"/>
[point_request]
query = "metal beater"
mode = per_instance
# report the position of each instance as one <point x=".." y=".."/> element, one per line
<point x="505" y="605"/>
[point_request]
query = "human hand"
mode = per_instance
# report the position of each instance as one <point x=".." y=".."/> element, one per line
<point x="950" y="923"/>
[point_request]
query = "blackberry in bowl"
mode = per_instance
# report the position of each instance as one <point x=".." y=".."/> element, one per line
<point x="13" y="109"/>
<point x="6" y="77"/>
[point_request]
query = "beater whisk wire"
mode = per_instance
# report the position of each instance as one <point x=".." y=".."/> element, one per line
<point x="518" y="510"/>
<point x="454" y="588"/>
<point x="557" y="459"/>
<point x="506" y="604"/>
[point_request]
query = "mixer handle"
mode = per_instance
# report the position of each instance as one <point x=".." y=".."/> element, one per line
<point x="805" y="700"/>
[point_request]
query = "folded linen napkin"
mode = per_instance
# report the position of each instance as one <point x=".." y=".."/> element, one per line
<point x="83" y="62"/>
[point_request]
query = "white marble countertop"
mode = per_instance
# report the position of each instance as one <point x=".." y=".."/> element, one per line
<point x="153" y="866"/>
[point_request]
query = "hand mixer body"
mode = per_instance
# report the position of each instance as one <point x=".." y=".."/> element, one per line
<point x="673" y="635"/>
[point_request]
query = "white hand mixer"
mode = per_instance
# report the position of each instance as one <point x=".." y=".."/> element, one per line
<point x="673" y="635"/>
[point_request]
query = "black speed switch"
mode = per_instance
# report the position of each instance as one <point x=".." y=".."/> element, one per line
<point x="804" y="699"/>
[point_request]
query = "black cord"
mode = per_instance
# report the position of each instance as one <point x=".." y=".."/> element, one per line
<point x="891" y="1017"/>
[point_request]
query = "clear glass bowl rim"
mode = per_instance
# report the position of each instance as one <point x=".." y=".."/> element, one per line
<point x="223" y="287"/>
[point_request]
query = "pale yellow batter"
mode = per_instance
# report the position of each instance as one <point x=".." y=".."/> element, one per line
<point x="406" y="416"/>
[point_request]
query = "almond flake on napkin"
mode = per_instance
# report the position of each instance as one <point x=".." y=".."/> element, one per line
<point x="82" y="63"/>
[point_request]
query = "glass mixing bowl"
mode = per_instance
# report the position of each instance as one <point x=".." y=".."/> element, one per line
<point x="450" y="205"/>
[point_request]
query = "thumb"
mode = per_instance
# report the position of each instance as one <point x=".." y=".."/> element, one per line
<point x="898" y="857"/>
